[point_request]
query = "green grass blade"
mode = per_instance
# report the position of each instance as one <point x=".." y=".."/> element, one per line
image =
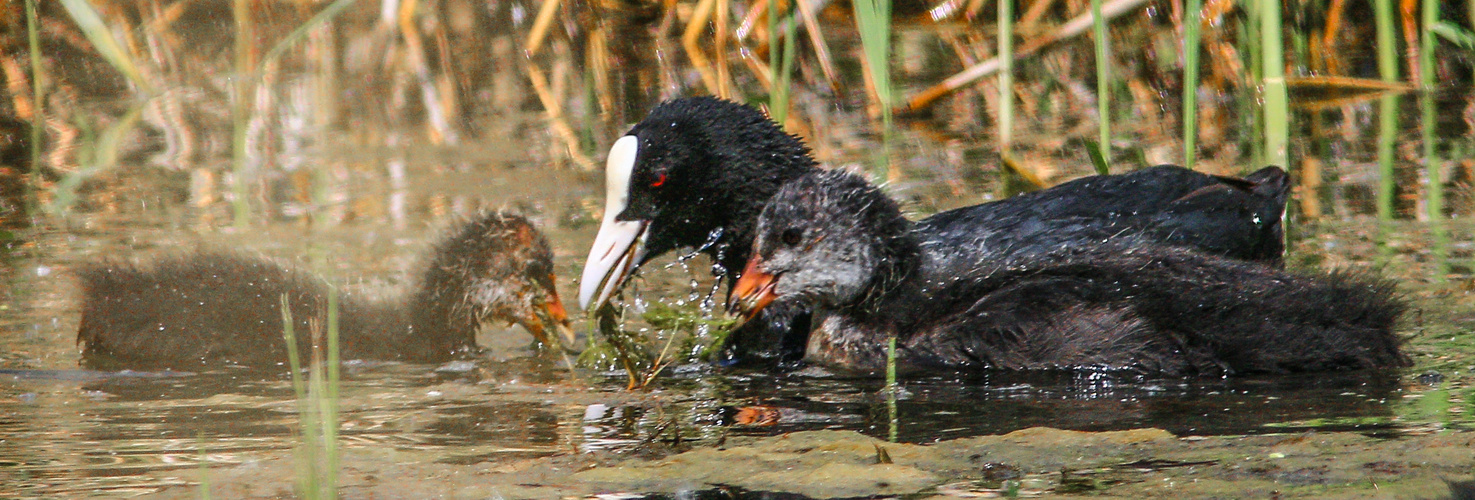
<point x="1277" y="106"/>
<point x="294" y="362"/>
<point x="304" y="470"/>
<point x="1387" y="45"/>
<point x="892" y="389"/>
<point x="1455" y="34"/>
<point x="1098" y="159"/>
<point x="1387" y="142"/>
<point x="1387" y="109"/>
<point x="38" y="98"/>
<point x="1103" y="90"/>
<point x="873" y="20"/>
<point x="773" y="48"/>
<point x="1193" y="12"/>
<point x="1434" y="179"/>
<point x="204" y="466"/>
<point x="779" y="97"/>
<point x="1006" y="75"/>
<point x="329" y="402"/>
<point x="1434" y="192"/>
<point x="101" y="36"/>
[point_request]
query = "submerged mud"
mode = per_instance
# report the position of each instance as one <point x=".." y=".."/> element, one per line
<point x="1034" y="462"/>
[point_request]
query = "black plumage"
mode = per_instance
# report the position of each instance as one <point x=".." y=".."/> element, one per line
<point x="833" y="241"/>
<point x="706" y="167"/>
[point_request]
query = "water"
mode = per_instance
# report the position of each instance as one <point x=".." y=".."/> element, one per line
<point x="348" y="172"/>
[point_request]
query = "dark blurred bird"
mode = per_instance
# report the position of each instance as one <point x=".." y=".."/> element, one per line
<point x="204" y="309"/>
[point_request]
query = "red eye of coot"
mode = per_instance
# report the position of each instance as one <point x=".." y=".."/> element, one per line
<point x="659" y="181"/>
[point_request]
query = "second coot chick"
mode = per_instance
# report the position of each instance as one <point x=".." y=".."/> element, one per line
<point x="211" y="309"/>
<point x="834" y="241"/>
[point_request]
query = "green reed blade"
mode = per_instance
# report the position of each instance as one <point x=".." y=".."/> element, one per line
<point x="873" y="20"/>
<point x="1387" y="108"/>
<point x="1098" y="159"/>
<point x="38" y="99"/>
<point x="1103" y="90"/>
<point x="1434" y="188"/>
<point x="328" y="402"/>
<point x="1277" y="107"/>
<point x="1455" y="34"/>
<point x="294" y="362"/>
<point x="240" y="112"/>
<point x="1250" y="110"/>
<point x="1435" y="192"/>
<point x="1387" y="45"/>
<point x="305" y="471"/>
<point x="204" y="465"/>
<point x="892" y="389"/>
<point x="779" y="98"/>
<point x="1387" y="142"/>
<point x="1006" y="75"/>
<point x="773" y="50"/>
<point x="101" y="36"/>
<point x="773" y="43"/>
<point x="1192" y="20"/>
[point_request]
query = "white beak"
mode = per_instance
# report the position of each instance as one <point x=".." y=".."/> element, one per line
<point x="620" y="245"/>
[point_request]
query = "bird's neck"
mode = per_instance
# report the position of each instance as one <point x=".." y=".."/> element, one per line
<point x="751" y="179"/>
<point x="897" y="286"/>
<point x="438" y="316"/>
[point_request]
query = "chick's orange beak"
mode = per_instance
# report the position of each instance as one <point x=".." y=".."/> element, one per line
<point x="555" y="309"/>
<point x="753" y="291"/>
<point x="559" y="317"/>
<point x="551" y="312"/>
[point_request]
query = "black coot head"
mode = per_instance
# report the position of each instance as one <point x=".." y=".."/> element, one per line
<point x="694" y="173"/>
<point x="499" y="266"/>
<point x="829" y="239"/>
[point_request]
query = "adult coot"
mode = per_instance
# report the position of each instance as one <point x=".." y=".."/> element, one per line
<point x="834" y="241"/>
<point x="697" y="171"/>
<point x="205" y="309"/>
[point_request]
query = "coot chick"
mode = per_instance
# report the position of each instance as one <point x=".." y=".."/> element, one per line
<point x="697" y="171"/>
<point x="834" y="241"/>
<point x="210" y="309"/>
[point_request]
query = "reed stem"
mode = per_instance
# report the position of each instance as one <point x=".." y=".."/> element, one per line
<point x="38" y="119"/>
<point x="306" y="470"/>
<point x="779" y="99"/>
<point x="1192" y="20"/>
<point x="1433" y="178"/>
<point x="1277" y="113"/>
<point x="1387" y="108"/>
<point x="873" y="19"/>
<point x="1006" y="75"/>
<point x="328" y="402"/>
<point x="892" y="389"/>
<point x="1103" y="87"/>
<point x="240" y="111"/>
<point x="773" y="48"/>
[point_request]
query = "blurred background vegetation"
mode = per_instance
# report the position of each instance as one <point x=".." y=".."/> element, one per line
<point x="1222" y="85"/>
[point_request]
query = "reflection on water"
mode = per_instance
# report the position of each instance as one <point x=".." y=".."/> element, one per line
<point x="68" y="430"/>
<point x="376" y="131"/>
